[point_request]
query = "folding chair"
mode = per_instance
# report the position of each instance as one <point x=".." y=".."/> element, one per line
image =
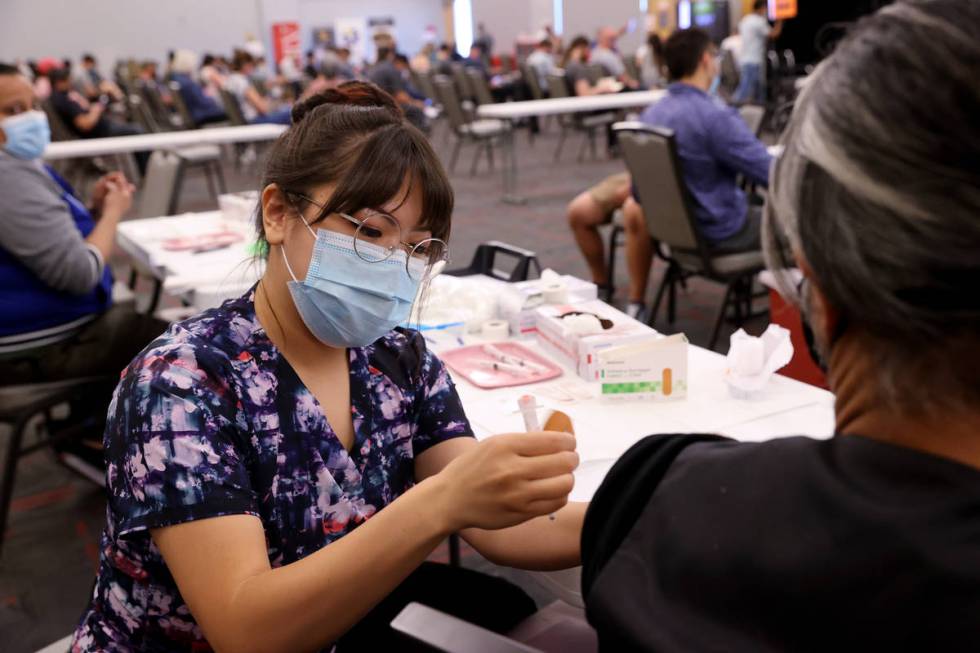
<point x="588" y="125"/>
<point x="483" y="133"/>
<point x="651" y="156"/>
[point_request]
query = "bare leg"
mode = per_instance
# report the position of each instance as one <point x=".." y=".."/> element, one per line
<point x="584" y="217"/>
<point x="639" y="250"/>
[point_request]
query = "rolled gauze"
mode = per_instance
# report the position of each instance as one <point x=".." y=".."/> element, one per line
<point x="495" y="330"/>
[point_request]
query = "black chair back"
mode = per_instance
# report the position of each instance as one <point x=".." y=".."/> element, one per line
<point x="464" y="90"/>
<point x="233" y="108"/>
<point x="533" y="83"/>
<point x="60" y="131"/>
<point x="446" y="93"/>
<point x="185" y="114"/>
<point x="481" y="89"/>
<point x="651" y="156"/>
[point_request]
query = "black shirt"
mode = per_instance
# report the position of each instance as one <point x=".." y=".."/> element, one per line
<point x="575" y="71"/>
<point x="698" y="543"/>
<point x="69" y="109"/>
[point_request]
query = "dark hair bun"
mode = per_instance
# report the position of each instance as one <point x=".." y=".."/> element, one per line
<point x="359" y="94"/>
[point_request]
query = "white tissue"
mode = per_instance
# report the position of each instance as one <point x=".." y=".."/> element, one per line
<point x="747" y="356"/>
<point x="581" y="325"/>
<point x="451" y="299"/>
<point x="752" y="361"/>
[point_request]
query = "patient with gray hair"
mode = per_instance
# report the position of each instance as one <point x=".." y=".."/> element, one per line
<point x="868" y="540"/>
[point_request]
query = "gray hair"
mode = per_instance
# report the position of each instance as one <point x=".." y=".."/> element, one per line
<point x="878" y="189"/>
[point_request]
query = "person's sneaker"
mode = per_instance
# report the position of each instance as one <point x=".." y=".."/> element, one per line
<point x="605" y="292"/>
<point x="637" y="311"/>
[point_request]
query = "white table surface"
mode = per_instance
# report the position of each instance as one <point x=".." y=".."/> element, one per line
<point x="578" y="104"/>
<point x="605" y="430"/>
<point x="209" y="276"/>
<point x="161" y="141"/>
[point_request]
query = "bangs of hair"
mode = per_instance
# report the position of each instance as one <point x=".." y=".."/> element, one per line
<point x="386" y="159"/>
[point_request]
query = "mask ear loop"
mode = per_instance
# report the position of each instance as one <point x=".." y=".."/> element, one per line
<point x="282" y="246"/>
<point x="285" y="259"/>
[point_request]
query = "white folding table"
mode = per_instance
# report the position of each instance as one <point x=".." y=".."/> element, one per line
<point x="203" y="279"/>
<point x="87" y="147"/>
<point x="513" y="111"/>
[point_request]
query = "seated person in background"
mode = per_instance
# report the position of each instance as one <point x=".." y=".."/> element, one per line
<point x="42" y="82"/>
<point x="576" y="73"/>
<point x="405" y="70"/>
<point x="87" y="119"/>
<point x="593" y="208"/>
<point x="255" y="108"/>
<point x="91" y="84"/>
<point x="203" y="109"/>
<point x="542" y="63"/>
<point x="389" y="74"/>
<point x="606" y="55"/>
<point x="55" y="286"/>
<point x="650" y="59"/>
<point x="310" y="68"/>
<point x="282" y="466"/>
<point x="147" y="76"/>
<point x="212" y="76"/>
<point x="345" y="70"/>
<point x="714" y="145"/>
<point x="866" y="541"/>
<point x="423" y="59"/>
<point x="444" y="57"/>
<point x="476" y="60"/>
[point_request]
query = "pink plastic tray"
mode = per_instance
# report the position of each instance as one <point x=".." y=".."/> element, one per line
<point x="465" y="361"/>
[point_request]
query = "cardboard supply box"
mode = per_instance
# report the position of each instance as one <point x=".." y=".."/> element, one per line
<point x="645" y="370"/>
<point x="522" y="299"/>
<point x="579" y="351"/>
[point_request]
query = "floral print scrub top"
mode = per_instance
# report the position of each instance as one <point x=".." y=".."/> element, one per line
<point x="211" y="420"/>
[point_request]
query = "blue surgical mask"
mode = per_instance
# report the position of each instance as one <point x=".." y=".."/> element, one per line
<point x="716" y="80"/>
<point x="346" y="301"/>
<point x="27" y="134"/>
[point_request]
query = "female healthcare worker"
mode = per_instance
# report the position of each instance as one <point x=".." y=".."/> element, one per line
<point x="278" y="466"/>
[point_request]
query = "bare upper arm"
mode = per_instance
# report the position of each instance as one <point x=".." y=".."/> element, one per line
<point x="210" y="559"/>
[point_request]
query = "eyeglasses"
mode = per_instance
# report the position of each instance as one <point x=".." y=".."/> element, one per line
<point x="378" y="236"/>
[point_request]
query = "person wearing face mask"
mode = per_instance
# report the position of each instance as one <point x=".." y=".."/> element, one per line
<point x="57" y="320"/>
<point x="281" y="467"/>
<point x="866" y="541"/>
<point x="714" y="146"/>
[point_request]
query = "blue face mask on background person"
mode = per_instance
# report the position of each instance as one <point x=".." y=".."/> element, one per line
<point x="346" y="301"/>
<point x="716" y="80"/>
<point x="27" y="134"/>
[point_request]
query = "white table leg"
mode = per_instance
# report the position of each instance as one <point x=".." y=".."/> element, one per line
<point x="509" y="167"/>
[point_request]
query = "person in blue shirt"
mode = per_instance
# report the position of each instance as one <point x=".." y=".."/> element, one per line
<point x="714" y="146"/>
<point x="57" y="319"/>
<point x="203" y="109"/>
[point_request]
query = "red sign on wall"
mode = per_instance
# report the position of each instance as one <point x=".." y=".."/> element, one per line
<point x="285" y="41"/>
